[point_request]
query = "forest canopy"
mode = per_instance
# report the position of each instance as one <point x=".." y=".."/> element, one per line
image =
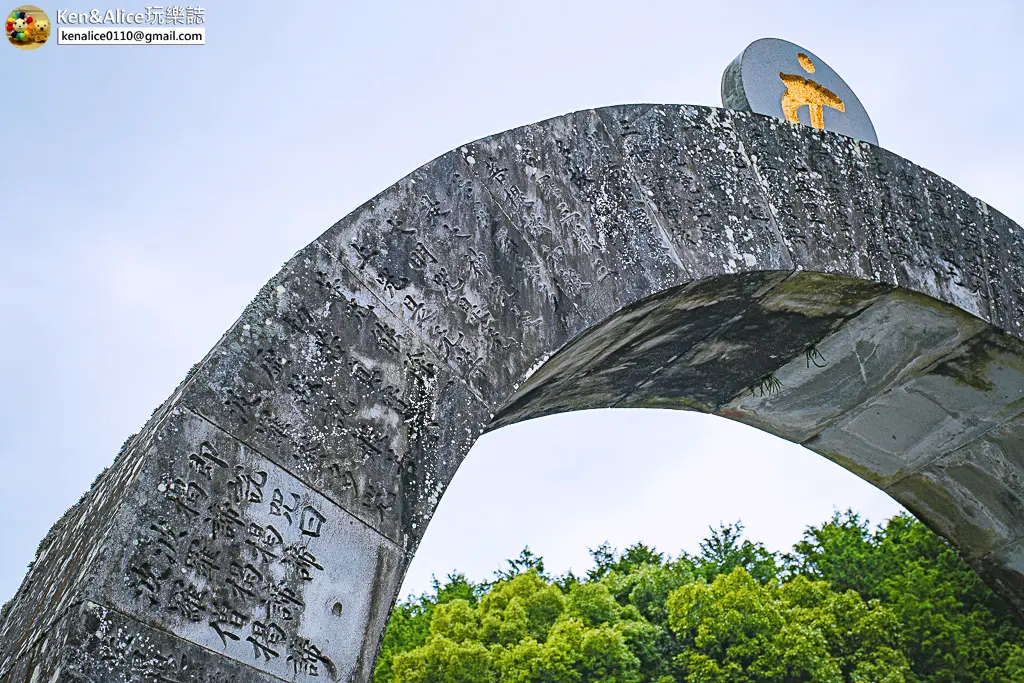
<point x="849" y="603"/>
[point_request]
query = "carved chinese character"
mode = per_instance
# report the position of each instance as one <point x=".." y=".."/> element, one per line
<point x="303" y="561"/>
<point x="378" y="498"/>
<point x="446" y="343"/>
<point x="300" y="321"/>
<point x="417" y="309"/>
<point x="372" y="442"/>
<point x="225" y="620"/>
<point x="371" y="379"/>
<point x="451" y="287"/>
<point x="224" y="520"/>
<point x="201" y="560"/>
<point x="264" y="541"/>
<point x="147" y="580"/>
<point x="397" y="224"/>
<point x="241" y="407"/>
<point x="495" y="340"/>
<point x="329" y="346"/>
<point x="522" y="317"/>
<point x="332" y="286"/>
<point x="282" y="602"/>
<point x="164" y="543"/>
<point x="312" y="521"/>
<point x="500" y="174"/>
<point x="146" y="662"/>
<point x="419" y="366"/>
<point x="347" y="481"/>
<point x="476" y="263"/>
<point x="305" y="387"/>
<point x="571" y="283"/>
<point x="514" y="195"/>
<point x="497" y="292"/>
<point x="305" y="658"/>
<point x="278" y="507"/>
<point x="188" y="600"/>
<point x="420" y="257"/>
<point x="266" y="636"/>
<point x="354" y="309"/>
<point x="391" y="283"/>
<point x="475" y="314"/>
<point x="365" y="254"/>
<point x="387" y="338"/>
<point x="337" y="411"/>
<point x="434" y="209"/>
<point x="247" y="487"/>
<point x="203" y="461"/>
<point x="186" y="495"/>
<point x="271" y="362"/>
<point x="389" y="396"/>
<point x="245" y="581"/>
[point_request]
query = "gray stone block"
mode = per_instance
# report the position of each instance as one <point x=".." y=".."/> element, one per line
<point x="975" y="493"/>
<point x="897" y="336"/>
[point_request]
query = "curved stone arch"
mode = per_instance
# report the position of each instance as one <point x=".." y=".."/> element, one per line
<point x="819" y="288"/>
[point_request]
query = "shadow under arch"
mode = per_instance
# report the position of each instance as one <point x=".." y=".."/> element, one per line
<point x="917" y="397"/>
<point x="727" y="262"/>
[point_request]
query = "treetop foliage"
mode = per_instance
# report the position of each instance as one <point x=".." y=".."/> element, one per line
<point x="848" y="604"/>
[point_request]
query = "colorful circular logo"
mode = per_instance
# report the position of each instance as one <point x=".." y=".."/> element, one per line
<point x="27" y="27"/>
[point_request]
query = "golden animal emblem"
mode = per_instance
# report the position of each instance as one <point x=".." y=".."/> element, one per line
<point x="802" y="91"/>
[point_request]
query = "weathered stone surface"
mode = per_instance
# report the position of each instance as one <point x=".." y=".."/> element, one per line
<point x="1003" y="570"/>
<point x="823" y="194"/>
<point x="54" y="582"/>
<point x="742" y="356"/>
<point x="604" y="366"/>
<point x="1004" y="244"/>
<point x="111" y="646"/>
<point x="825" y="290"/>
<point x="93" y="643"/>
<point x="897" y="336"/>
<point x="979" y="386"/>
<point x="341" y="394"/>
<point x="976" y="492"/>
<point x="229" y="551"/>
<point x="702" y="187"/>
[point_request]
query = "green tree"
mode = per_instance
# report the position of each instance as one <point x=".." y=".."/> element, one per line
<point x="441" y="660"/>
<point x="608" y="560"/>
<point x="739" y="630"/>
<point x="524" y="563"/>
<point x="523" y="629"/>
<point x="848" y="604"/>
<point x="411" y="619"/>
<point x="955" y="628"/>
<point x="723" y="551"/>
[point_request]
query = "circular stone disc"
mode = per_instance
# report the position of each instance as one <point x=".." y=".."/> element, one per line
<point x="777" y="78"/>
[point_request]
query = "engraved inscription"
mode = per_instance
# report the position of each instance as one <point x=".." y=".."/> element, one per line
<point x="341" y="392"/>
<point x="234" y="554"/>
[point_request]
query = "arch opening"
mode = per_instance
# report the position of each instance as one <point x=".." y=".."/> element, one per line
<point x="917" y="397"/>
<point x="565" y="483"/>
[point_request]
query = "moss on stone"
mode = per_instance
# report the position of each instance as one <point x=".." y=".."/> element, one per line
<point x="934" y="506"/>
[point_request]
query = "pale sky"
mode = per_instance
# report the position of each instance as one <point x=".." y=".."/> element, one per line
<point x="151" y="191"/>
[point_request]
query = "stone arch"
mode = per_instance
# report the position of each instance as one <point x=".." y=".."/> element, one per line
<point x="823" y="289"/>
